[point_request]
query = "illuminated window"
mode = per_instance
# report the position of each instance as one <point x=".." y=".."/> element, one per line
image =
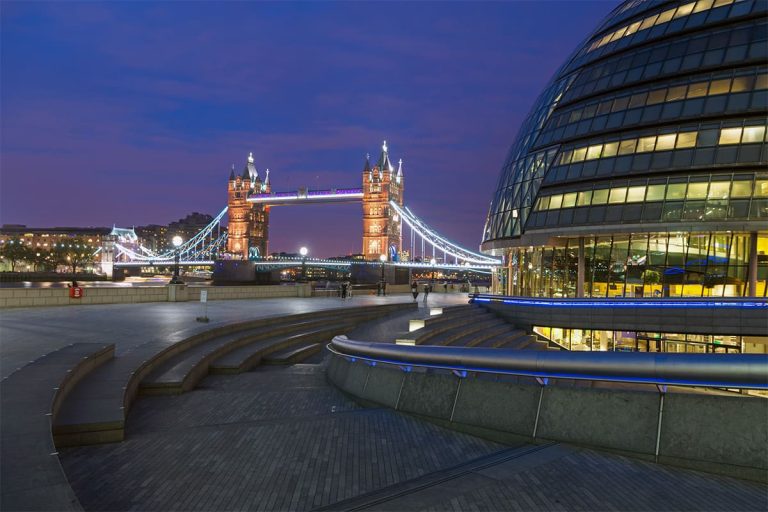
<point x="594" y="151"/>
<point x="648" y="22"/>
<point x="627" y="147"/>
<point x="703" y="5"/>
<point x="761" y="188"/>
<point x="665" y="142"/>
<point x="761" y="82"/>
<point x="676" y="93"/>
<point x="697" y="190"/>
<point x="610" y="149"/>
<point x="656" y="96"/>
<point x="632" y="28"/>
<point x="686" y="140"/>
<point x="584" y="198"/>
<point x="618" y="195"/>
<point x="742" y="83"/>
<point x="646" y="144"/>
<point x="676" y="190"/>
<point x="665" y="16"/>
<point x="600" y="196"/>
<point x="620" y="104"/>
<point x="543" y="203"/>
<point x="635" y="194"/>
<point x="720" y="86"/>
<point x="719" y="190"/>
<point x="753" y="134"/>
<point x="698" y="89"/>
<point x="569" y="200"/>
<point x="605" y="107"/>
<point x="655" y="193"/>
<point x="730" y="136"/>
<point x="638" y="100"/>
<point x="741" y="189"/>
<point x="555" y="201"/>
<point x="579" y="154"/>
<point x="565" y="157"/>
<point x="685" y="10"/>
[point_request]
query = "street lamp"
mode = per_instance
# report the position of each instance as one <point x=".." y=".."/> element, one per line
<point x="382" y="259"/>
<point x="177" y="241"/>
<point x="432" y="284"/>
<point x="303" y="251"/>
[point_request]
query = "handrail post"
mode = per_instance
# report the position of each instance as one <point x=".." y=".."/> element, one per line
<point x="543" y="381"/>
<point x="461" y="375"/>
<point x="662" y="393"/>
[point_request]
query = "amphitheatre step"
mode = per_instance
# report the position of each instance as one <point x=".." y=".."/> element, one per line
<point x="95" y="411"/>
<point x="31" y="475"/>
<point x="244" y="358"/>
<point x="445" y="314"/>
<point x="440" y="324"/>
<point x="468" y="329"/>
<point x="294" y="354"/>
<point x="516" y="339"/>
<point x="475" y="338"/>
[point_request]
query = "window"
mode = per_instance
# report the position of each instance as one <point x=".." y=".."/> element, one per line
<point x="697" y="191"/>
<point x="543" y="203"/>
<point x="579" y="154"/>
<point x="646" y="144"/>
<point x="753" y="134"/>
<point x="665" y="142"/>
<point x="761" y="188"/>
<point x="719" y="190"/>
<point x="655" y="193"/>
<point x="741" y="189"/>
<point x="569" y="200"/>
<point x="600" y="196"/>
<point x="635" y="194"/>
<point x="685" y="10"/>
<point x="686" y="140"/>
<point x="698" y="90"/>
<point x="627" y="147"/>
<point x="594" y="151"/>
<point x="638" y="100"/>
<point x="742" y="83"/>
<point x="555" y="201"/>
<point x="618" y="195"/>
<point x="656" y="96"/>
<point x="610" y="149"/>
<point x="761" y="82"/>
<point x="703" y="5"/>
<point x="584" y="198"/>
<point x="676" y="191"/>
<point x="620" y="104"/>
<point x="720" y="86"/>
<point x="565" y="157"/>
<point x="730" y="136"/>
<point x="665" y="16"/>
<point x="676" y="93"/>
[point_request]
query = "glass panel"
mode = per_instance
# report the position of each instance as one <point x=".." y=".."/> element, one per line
<point x="761" y="188"/>
<point x="610" y="149"/>
<point x="720" y="86"/>
<point x="719" y="190"/>
<point x="753" y="134"/>
<point x="648" y="22"/>
<point x="741" y="189"/>
<point x="697" y="190"/>
<point x="664" y="142"/>
<point x="555" y="201"/>
<point x="543" y="203"/>
<point x="730" y="136"/>
<point x="761" y="82"/>
<point x="742" y="83"/>
<point x="646" y="144"/>
<point x="565" y="157"/>
<point x="620" y="104"/>
<point x="618" y="195"/>
<point x="638" y="100"/>
<point x="686" y="140"/>
<point x="594" y="151"/>
<point x="656" y="96"/>
<point x="676" y="93"/>
<point x="600" y="196"/>
<point x="676" y="190"/>
<point x="703" y="5"/>
<point x="655" y="193"/>
<point x="697" y="90"/>
<point x="584" y="198"/>
<point x="569" y="200"/>
<point x="665" y="16"/>
<point x="627" y="147"/>
<point x="685" y="10"/>
<point x="635" y="194"/>
<point x="579" y="154"/>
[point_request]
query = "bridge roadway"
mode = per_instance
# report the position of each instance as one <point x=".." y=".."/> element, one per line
<point x="281" y="438"/>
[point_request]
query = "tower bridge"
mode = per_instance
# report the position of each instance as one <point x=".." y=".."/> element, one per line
<point x="250" y="198"/>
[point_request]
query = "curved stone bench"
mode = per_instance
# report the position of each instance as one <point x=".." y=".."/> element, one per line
<point x="96" y="410"/>
<point x="30" y="473"/>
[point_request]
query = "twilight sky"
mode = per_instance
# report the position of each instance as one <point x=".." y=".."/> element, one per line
<point x="132" y="113"/>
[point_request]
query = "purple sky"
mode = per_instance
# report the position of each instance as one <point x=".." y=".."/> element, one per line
<point x="132" y="113"/>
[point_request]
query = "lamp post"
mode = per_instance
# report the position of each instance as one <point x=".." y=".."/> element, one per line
<point x="303" y="251"/>
<point x="177" y="241"/>
<point x="432" y="283"/>
<point x="382" y="259"/>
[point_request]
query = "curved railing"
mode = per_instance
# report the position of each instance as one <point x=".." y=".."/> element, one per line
<point x="737" y="371"/>
<point x="625" y="302"/>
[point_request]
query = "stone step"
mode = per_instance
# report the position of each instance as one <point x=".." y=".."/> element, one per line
<point x="475" y="338"/>
<point x="471" y="328"/>
<point x="513" y="339"/>
<point x="248" y="356"/>
<point x="294" y="354"/>
<point x="446" y="314"/>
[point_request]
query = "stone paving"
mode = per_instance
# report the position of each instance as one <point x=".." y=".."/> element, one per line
<point x="273" y="439"/>
<point x="28" y="333"/>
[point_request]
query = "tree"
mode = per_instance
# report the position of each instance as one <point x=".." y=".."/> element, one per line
<point x="40" y="258"/>
<point x="15" y="250"/>
<point x="73" y="253"/>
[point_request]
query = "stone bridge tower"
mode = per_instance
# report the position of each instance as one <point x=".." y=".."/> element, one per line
<point x="248" y="231"/>
<point x="382" y="232"/>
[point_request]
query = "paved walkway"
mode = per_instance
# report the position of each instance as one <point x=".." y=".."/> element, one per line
<point x="28" y="333"/>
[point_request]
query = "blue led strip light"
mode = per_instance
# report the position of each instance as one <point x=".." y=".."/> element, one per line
<point x="623" y="303"/>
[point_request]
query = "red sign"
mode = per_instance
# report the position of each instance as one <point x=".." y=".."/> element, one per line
<point x="75" y="292"/>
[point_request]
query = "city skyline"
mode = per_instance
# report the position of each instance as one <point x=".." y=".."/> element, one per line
<point x="138" y="122"/>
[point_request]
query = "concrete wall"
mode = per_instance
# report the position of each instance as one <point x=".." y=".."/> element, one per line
<point x="26" y="297"/>
<point x="725" y="434"/>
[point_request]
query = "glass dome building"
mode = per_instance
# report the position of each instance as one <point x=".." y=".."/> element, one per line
<point x="642" y="169"/>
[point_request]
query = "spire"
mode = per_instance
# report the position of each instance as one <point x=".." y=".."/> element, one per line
<point x="266" y="181"/>
<point x="232" y="173"/>
<point x="246" y="175"/>
<point x="399" y="176"/>
<point x="252" y="168"/>
<point x="384" y="163"/>
<point x="367" y="166"/>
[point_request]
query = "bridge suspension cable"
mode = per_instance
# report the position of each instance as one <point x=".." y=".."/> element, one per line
<point x="438" y="243"/>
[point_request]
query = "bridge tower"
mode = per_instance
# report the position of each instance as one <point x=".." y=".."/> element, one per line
<point x="382" y="233"/>
<point x="239" y="212"/>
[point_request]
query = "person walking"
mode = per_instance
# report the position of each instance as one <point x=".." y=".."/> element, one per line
<point x="344" y="290"/>
<point x="426" y="292"/>
<point x="414" y="290"/>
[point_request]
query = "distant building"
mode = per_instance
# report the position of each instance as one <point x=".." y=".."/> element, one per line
<point x="248" y="224"/>
<point x="381" y="228"/>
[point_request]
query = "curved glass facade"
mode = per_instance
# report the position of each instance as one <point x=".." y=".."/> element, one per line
<point x="642" y="167"/>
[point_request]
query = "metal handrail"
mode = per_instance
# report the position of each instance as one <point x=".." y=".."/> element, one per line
<point x="624" y="302"/>
<point x="736" y="371"/>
